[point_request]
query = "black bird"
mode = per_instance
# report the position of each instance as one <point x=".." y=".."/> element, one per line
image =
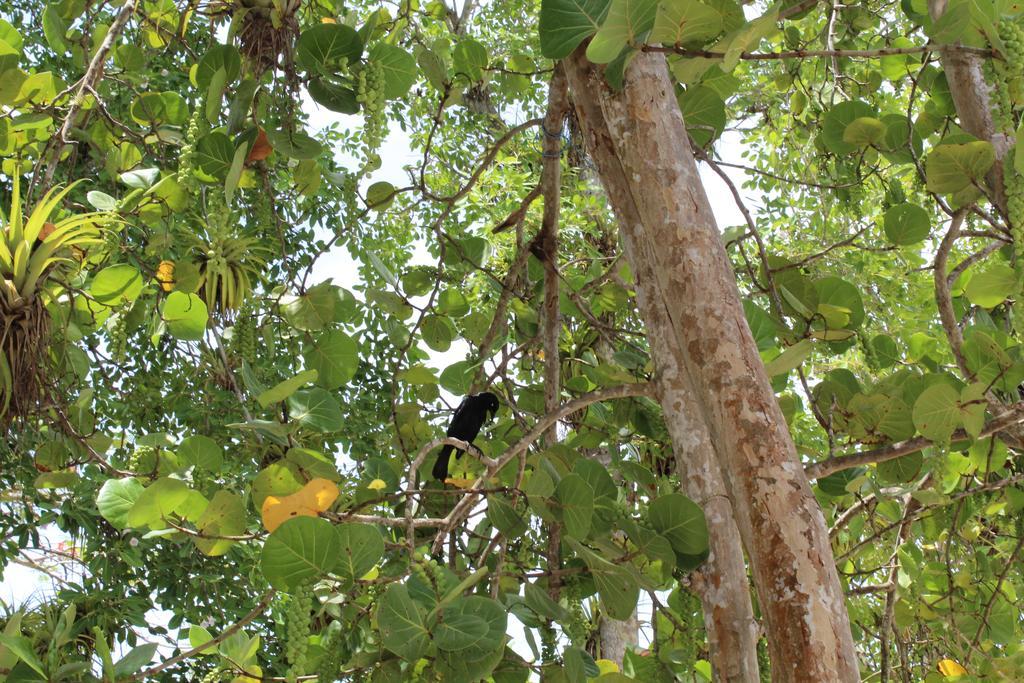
<point x="469" y="417"/>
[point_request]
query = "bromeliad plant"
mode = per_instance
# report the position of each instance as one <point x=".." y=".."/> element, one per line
<point x="35" y="253"/>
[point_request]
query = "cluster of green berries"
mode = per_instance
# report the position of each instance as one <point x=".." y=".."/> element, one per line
<point x="369" y="82"/>
<point x="764" y="664"/>
<point x="329" y="667"/>
<point x="296" y="629"/>
<point x="187" y="155"/>
<point x="243" y="333"/>
<point x="118" y="331"/>
<point x="211" y="677"/>
<point x="1006" y="78"/>
<point x="691" y="618"/>
<point x="577" y="628"/>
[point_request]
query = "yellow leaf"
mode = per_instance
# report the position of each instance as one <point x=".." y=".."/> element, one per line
<point x="377" y="485"/>
<point x="165" y="275"/>
<point x="607" y="666"/>
<point x="370" y="575"/>
<point x="328" y="20"/>
<point x="951" y="669"/>
<point x="309" y="501"/>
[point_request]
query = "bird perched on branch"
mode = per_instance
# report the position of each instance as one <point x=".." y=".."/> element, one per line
<point x="469" y="417"/>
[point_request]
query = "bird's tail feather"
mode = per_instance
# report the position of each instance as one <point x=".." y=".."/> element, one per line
<point x="441" y="465"/>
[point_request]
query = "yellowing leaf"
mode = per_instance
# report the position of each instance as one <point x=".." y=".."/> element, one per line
<point x="370" y="575"/>
<point x="948" y="667"/>
<point x="309" y="501"/>
<point x="377" y="485"/>
<point x="328" y="20"/>
<point x="607" y="666"/>
<point x="165" y="275"/>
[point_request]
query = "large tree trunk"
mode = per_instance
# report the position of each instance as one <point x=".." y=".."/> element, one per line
<point x="647" y="166"/>
<point x="722" y="581"/>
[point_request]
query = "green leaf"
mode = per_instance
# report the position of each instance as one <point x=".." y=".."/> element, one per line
<point x="704" y="114"/>
<point x="575" y="505"/>
<point x="137" y="658"/>
<point x="380" y="195"/>
<point x="539" y="601"/>
<point x="101" y="201"/>
<point x="488" y="611"/>
<point x="283" y="390"/>
<point x="22" y="647"/>
<point x="54" y="29"/>
<point x="399" y="68"/>
<point x="626" y="21"/>
<point x="332" y="95"/>
<point x="116" y="498"/>
<point x="906" y="224"/>
<point x="469" y="59"/>
<point x="214" y="154"/>
<point x="234" y="173"/>
<point x="335" y="357"/>
<point x="322" y="47"/>
<point x="437" y="332"/>
<point x="459" y="631"/>
<point x="992" y="286"/>
<point x="159" y="500"/>
<point x="185" y="315"/>
<point x="317" y="409"/>
<point x="302" y="548"/>
<point x="596" y="475"/>
<point x="685" y="21"/>
<point x="900" y="470"/>
<point x="937" y="412"/>
<point x="401" y="624"/>
<point x="197" y="636"/>
<point x="201" y="452"/>
<point x="617" y="588"/>
<point x="218" y="57"/>
<point x="835" y="121"/>
<point x="564" y="24"/>
<point x="361" y="548"/>
<point x="681" y="521"/>
<point x="224" y="516"/>
<point x="504" y="517"/>
<point x="865" y="131"/>
<point x="839" y="293"/>
<point x="294" y="144"/>
<point x="116" y="285"/>
<point x="790" y="359"/>
<point x="954" y="168"/>
<point x="321" y="305"/>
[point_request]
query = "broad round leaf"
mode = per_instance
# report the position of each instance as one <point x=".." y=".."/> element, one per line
<point x="681" y="521"/>
<point x="322" y="47"/>
<point x="116" y="498"/>
<point x="401" y="624"/>
<point x="316" y="409"/>
<point x="362" y="546"/>
<point x="300" y="549"/>
<point x="202" y="452"/>
<point x="937" y="412"/>
<point x="185" y="315"/>
<point x="992" y="286"/>
<point x="836" y="120"/>
<point x="906" y="224"/>
<point x="574" y="504"/>
<point x="116" y="285"/>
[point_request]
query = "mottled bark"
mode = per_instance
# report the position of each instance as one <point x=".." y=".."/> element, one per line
<point x="545" y="247"/>
<point x="972" y="97"/>
<point x="618" y="636"/>
<point x="647" y="166"/>
<point x="722" y="581"/>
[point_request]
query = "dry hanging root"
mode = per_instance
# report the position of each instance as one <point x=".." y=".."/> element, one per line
<point x="24" y="331"/>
